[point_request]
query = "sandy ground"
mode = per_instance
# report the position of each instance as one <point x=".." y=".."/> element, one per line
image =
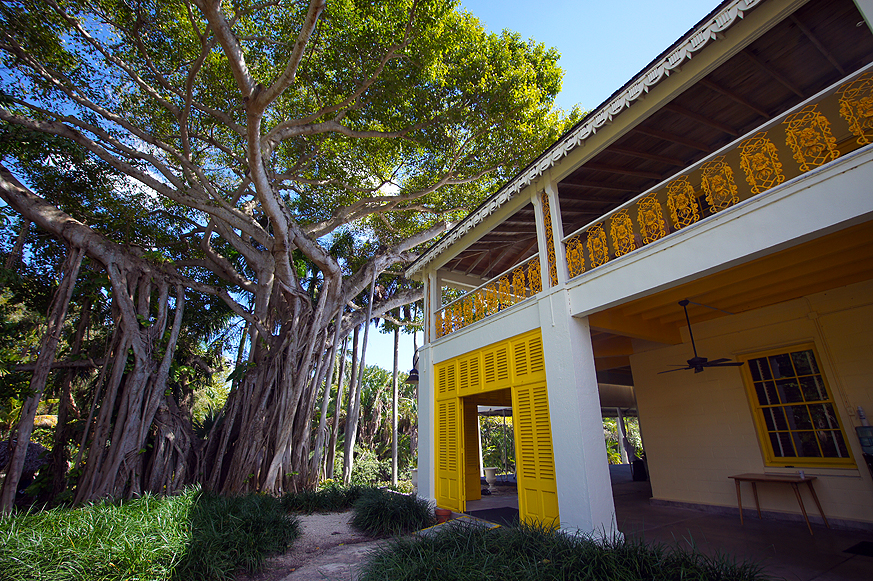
<point x="327" y="549"/>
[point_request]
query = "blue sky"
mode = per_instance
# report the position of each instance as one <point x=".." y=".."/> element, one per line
<point x="602" y="45"/>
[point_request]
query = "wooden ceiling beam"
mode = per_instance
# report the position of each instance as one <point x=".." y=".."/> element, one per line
<point x="622" y="171"/>
<point x="482" y="256"/>
<point x="599" y="185"/>
<point x="815" y="41"/>
<point x="673" y="138"/>
<point x="771" y="70"/>
<point x="518" y="256"/>
<point x="702" y="119"/>
<point x="645" y="155"/>
<point x="734" y="96"/>
<point x="487" y="274"/>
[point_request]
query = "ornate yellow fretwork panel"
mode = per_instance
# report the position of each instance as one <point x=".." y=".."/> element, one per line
<point x="505" y="292"/>
<point x="808" y="134"/>
<point x="492" y="298"/>
<point x="518" y="286"/>
<point x="651" y="219"/>
<point x="718" y="183"/>
<point x="534" y="278"/>
<point x="760" y="160"/>
<point x="550" y="239"/>
<point x="575" y="256"/>
<point x="856" y="107"/>
<point x="682" y="202"/>
<point x="598" y="249"/>
<point x="622" y="231"/>
<point x="469" y="317"/>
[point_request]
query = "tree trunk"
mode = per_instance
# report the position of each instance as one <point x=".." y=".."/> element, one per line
<point x="331" y="447"/>
<point x="49" y="345"/>
<point x="394" y="407"/>
<point x="67" y="409"/>
<point x="315" y="464"/>
<point x="355" y="409"/>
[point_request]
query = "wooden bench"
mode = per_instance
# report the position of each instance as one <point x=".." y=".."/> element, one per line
<point x="792" y="479"/>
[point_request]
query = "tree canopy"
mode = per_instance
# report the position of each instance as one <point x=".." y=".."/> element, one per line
<point x="271" y="156"/>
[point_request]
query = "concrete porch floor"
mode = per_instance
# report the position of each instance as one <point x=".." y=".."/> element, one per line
<point x="785" y="549"/>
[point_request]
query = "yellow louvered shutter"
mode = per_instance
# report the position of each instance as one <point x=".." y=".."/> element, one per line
<point x="449" y="473"/>
<point x="535" y="461"/>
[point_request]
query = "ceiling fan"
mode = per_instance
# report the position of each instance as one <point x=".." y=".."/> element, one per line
<point x="698" y="363"/>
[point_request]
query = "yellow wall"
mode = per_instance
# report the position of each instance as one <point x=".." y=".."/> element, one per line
<point x="698" y="428"/>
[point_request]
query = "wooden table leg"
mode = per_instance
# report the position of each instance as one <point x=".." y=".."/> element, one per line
<point x="802" y="508"/>
<point x="817" y="503"/>
<point x="739" y="501"/>
<point x="755" y="492"/>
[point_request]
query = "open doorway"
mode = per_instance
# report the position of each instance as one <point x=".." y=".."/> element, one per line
<point x="492" y="488"/>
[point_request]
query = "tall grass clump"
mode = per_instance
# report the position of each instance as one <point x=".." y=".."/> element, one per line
<point x="383" y="512"/>
<point x="527" y="553"/>
<point x="193" y="536"/>
<point x="231" y="532"/>
<point x="332" y="497"/>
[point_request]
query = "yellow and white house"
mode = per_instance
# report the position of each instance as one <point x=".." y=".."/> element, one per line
<point x="735" y="171"/>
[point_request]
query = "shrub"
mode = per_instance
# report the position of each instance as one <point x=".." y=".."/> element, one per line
<point x="532" y="553"/>
<point x="331" y="498"/>
<point x="191" y="536"/>
<point x="231" y="532"/>
<point x="382" y="512"/>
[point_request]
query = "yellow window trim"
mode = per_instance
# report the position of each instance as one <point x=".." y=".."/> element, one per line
<point x="770" y="459"/>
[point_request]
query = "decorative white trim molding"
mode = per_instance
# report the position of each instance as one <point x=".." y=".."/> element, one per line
<point x="694" y="42"/>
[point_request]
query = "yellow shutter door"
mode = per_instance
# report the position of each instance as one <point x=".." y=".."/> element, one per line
<point x="535" y="462"/>
<point x="450" y="454"/>
<point x="472" y="480"/>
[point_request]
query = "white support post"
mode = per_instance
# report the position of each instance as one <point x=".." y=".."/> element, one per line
<point x="427" y="421"/>
<point x="541" y="238"/>
<point x="584" y="489"/>
<point x="557" y="228"/>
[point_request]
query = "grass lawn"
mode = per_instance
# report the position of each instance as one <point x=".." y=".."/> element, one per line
<point x="532" y="554"/>
<point x="192" y="536"/>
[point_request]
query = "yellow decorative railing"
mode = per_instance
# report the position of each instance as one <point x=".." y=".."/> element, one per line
<point x="835" y="122"/>
<point x="512" y="286"/>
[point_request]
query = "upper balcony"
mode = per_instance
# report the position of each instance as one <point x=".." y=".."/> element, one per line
<point x="683" y="141"/>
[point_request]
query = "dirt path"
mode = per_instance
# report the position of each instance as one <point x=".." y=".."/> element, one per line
<point x="327" y="549"/>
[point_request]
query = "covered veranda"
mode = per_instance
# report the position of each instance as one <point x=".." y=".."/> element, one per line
<point x="784" y="548"/>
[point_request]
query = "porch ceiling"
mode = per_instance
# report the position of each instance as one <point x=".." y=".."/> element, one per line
<point x="831" y="261"/>
<point x="814" y="47"/>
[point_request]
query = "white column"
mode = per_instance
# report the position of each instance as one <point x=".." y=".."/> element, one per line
<point x="426" y="425"/>
<point x="584" y="489"/>
<point x="557" y="229"/>
<point x="541" y="238"/>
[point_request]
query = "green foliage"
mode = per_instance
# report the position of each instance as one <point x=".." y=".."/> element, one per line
<point x="610" y="433"/>
<point x="538" y="554"/>
<point x="383" y="512"/>
<point x="330" y="497"/>
<point x="498" y="442"/>
<point x="191" y="536"/>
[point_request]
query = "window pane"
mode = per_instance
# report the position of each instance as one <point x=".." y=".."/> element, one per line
<point x="823" y="416"/>
<point x="778" y="415"/>
<point x="755" y="368"/>
<point x="827" y="443"/>
<point x="798" y="417"/>
<point x="782" y="446"/>
<point x="763" y="397"/>
<point x="806" y="444"/>
<point x="804" y="362"/>
<point x="841" y="444"/>
<point x="770" y="418"/>
<point x="772" y="394"/>
<point x="781" y="365"/>
<point x="813" y="388"/>
<point x="789" y="390"/>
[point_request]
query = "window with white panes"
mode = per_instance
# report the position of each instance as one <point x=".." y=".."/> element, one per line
<point x="794" y="410"/>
